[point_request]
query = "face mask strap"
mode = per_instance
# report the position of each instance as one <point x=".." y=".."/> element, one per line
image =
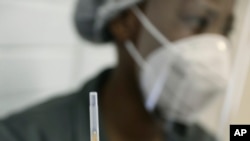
<point x="147" y="24"/>
<point x="161" y="79"/>
<point x="135" y="54"/>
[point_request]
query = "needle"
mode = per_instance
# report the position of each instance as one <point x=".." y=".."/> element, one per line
<point x="94" y="117"/>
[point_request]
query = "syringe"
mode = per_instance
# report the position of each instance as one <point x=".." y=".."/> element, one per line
<point x="94" y="116"/>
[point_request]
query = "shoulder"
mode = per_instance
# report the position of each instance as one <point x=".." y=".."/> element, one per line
<point x="48" y="109"/>
<point x="44" y="120"/>
<point x="59" y="119"/>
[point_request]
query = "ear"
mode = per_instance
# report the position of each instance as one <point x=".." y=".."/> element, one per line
<point x="124" y="27"/>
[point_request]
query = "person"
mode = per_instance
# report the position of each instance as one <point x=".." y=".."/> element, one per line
<point x="123" y="116"/>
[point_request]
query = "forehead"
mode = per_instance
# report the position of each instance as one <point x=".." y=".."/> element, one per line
<point x="216" y="5"/>
<point x="168" y="13"/>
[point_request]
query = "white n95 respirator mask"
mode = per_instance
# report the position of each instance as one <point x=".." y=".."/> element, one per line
<point x="182" y="77"/>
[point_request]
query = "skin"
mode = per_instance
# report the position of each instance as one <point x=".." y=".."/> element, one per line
<point x="125" y="117"/>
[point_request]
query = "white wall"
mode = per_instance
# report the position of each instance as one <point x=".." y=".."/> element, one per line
<point x="41" y="56"/>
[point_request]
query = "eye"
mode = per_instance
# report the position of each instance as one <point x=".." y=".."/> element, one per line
<point x="195" y="23"/>
<point x="229" y="25"/>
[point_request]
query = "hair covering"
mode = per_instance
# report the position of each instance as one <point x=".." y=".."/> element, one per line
<point x="92" y="16"/>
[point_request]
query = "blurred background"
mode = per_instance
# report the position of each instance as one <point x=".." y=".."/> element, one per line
<point x="41" y="56"/>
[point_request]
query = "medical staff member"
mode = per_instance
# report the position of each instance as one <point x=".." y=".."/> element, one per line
<point x="124" y="89"/>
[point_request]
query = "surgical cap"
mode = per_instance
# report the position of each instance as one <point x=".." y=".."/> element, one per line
<point x="92" y="16"/>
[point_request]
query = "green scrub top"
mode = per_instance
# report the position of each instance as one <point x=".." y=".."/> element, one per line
<point x="67" y="119"/>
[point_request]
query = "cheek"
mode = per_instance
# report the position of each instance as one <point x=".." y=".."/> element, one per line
<point x="165" y="15"/>
<point x="146" y="43"/>
<point x="177" y="30"/>
<point x="165" y="18"/>
<point x="174" y="28"/>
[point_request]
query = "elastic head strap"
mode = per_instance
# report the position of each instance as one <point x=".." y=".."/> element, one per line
<point x="147" y="24"/>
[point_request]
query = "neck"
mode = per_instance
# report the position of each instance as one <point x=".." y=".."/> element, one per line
<point x="124" y="113"/>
